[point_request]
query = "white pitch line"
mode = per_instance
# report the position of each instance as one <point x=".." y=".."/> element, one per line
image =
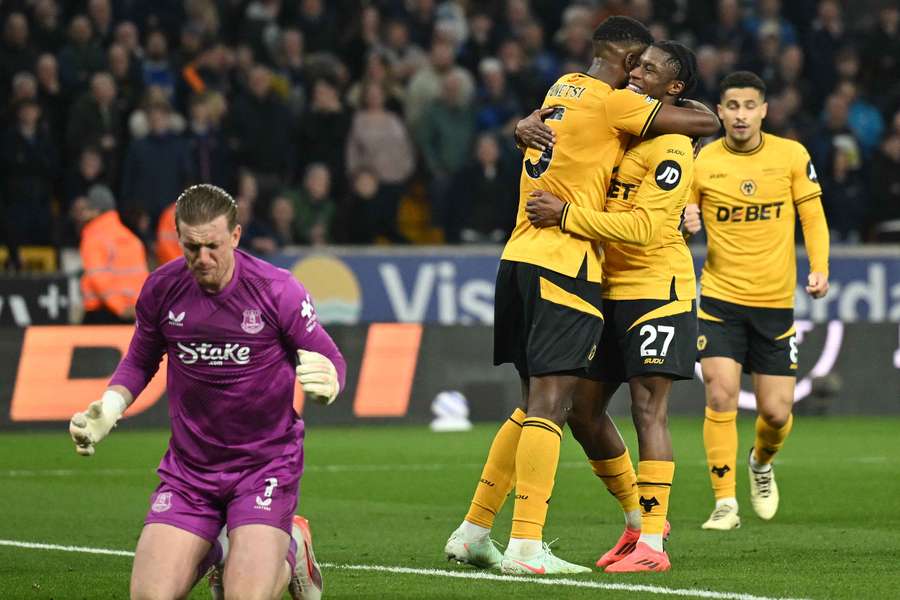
<point x="472" y="575"/>
<point x="80" y="549"/>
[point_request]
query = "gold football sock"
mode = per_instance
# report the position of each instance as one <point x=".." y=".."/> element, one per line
<point x="618" y="475"/>
<point x="769" y="440"/>
<point x="536" y="462"/>
<point x="654" y="481"/>
<point x="720" y="439"/>
<point x="499" y="472"/>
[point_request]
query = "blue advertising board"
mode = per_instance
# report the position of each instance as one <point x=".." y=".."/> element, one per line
<point x="455" y="286"/>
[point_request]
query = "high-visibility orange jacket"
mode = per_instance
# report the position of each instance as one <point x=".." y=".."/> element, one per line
<point x="167" y="247"/>
<point x="115" y="264"/>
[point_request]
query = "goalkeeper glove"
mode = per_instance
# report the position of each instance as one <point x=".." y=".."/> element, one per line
<point x="89" y="427"/>
<point x="317" y="375"/>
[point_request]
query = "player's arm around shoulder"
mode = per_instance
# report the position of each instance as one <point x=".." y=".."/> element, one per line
<point x="807" y="196"/>
<point x="321" y="368"/>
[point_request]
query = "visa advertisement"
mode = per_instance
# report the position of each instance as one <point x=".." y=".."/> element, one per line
<point x="456" y="287"/>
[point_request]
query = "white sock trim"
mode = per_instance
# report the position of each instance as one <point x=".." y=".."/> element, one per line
<point x="730" y="501"/>
<point x="633" y="519"/>
<point x="523" y="549"/>
<point x="654" y="540"/>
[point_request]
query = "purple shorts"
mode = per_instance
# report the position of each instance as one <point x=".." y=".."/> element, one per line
<point x="202" y="501"/>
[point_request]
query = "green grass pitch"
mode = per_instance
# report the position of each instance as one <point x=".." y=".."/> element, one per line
<point x="390" y="495"/>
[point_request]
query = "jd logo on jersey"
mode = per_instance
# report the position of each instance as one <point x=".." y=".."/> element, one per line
<point x="668" y="174"/>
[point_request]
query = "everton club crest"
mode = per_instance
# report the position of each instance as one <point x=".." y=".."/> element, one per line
<point x="253" y="322"/>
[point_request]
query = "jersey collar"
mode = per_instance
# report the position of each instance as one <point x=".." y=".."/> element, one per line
<point x="759" y="146"/>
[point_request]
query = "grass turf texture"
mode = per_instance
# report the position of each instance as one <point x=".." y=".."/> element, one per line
<point x="392" y="495"/>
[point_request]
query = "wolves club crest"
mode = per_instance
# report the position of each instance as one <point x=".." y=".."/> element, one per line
<point x="253" y="322"/>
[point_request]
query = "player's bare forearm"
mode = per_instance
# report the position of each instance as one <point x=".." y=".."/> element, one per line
<point x="532" y="132"/>
<point x="544" y="209"/>
<point x="694" y="119"/>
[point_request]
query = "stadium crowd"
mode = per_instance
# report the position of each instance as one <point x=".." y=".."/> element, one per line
<point x="354" y="121"/>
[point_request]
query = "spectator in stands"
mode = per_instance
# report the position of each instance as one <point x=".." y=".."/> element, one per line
<point x="426" y="84"/>
<point x="404" y="57"/>
<point x="95" y="121"/>
<point x="844" y="198"/>
<point x="445" y="134"/>
<point x="375" y="130"/>
<point x="768" y="12"/>
<point x="113" y="259"/>
<point x="156" y="66"/>
<point x="139" y="120"/>
<point x="48" y="34"/>
<point x="484" y="196"/>
<point x="257" y="236"/>
<point x="826" y="38"/>
<point x="89" y="172"/>
<point x="260" y="130"/>
<point x="481" y="42"/>
<point x="313" y="208"/>
<point x="520" y="78"/>
<point x="127" y="75"/>
<point x="542" y="60"/>
<point x="497" y="107"/>
<point x="886" y="190"/>
<point x="156" y="170"/>
<point x="378" y="73"/>
<point x="127" y="35"/>
<point x="167" y="247"/>
<point x="324" y="128"/>
<point x="282" y="219"/>
<point x="359" y="216"/>
<point x="100" y="13"/>
<point x="318" y="24"/>
<point x="881" y="50"/>
<point x="210" y="155"/>
<point x="290" y="65"/>
<point x="708" y="75"/>
<point x="835" y="130"/>
<point x="363" y="39"/>
<point x="16" y="54"/>
<point x="29" y="166"/>
<point x="50" y="94"/>
<point x="728" y="29"/>
<point x="863" y="118"/>
<point x="81" y="57"/>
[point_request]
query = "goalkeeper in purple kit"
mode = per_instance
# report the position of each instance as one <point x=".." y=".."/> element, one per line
<point x="233" y="328"/>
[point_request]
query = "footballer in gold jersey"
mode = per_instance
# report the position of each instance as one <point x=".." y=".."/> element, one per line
<point x="548" y="316"/>
<point x="650" y="331"/>
<point x="749" y="187"/>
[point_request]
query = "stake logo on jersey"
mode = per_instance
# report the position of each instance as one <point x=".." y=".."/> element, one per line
<point x="252" y="322"/>
<point x="668" y="174"/>
<point x="213" y="355"/>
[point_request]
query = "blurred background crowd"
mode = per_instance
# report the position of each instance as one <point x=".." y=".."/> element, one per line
<point x="390" y="121"/>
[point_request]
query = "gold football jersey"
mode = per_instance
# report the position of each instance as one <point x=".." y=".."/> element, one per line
<point x="593" y="124"/>
<point x="748" y="202"/>
<point x="644" y="254"/>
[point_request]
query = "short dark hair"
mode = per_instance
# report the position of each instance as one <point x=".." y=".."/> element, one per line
<point x="742" y="79"/>
<point x="683" y="60"/>
<point x="623" y="29"/>
<point x="204" y="203"/>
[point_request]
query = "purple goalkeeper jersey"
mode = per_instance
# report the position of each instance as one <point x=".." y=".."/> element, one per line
<point x="231" y="360"/>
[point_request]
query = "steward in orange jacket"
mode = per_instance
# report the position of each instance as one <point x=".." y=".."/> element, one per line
<point x="114" y="260"/>
<point x="167" y="247"/>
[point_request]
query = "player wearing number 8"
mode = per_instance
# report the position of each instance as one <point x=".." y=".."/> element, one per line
<point x="749" y="185"/>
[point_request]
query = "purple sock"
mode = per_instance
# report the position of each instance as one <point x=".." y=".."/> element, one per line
<point x="213" y="557"/>
<point x="292" y="554"/>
